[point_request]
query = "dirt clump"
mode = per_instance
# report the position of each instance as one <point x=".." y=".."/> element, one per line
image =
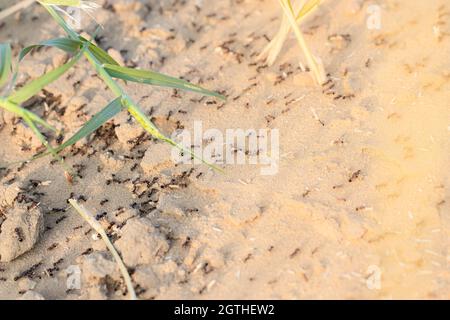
<point x="141" y="243"/>
<point x="20" y="231"/>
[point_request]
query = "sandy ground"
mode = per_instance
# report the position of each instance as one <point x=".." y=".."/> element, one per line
<point x="360" y="205"/>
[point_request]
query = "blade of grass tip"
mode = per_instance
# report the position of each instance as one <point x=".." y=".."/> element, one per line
<point x="145" y="122"/>
<point x="59" y="20"/>
<point x="5" y="63"/>
<point x="66" y="44"/>
<point x="84" y="5"/>
<point x="112" y="109"/>
<point x="32" y="88"/>
<point x="140" y="116"/>
<point x="88" y="217"/>
<point x="307" y="8"/>
<point x="158" y="79"/>
<point x="319" y="75"/>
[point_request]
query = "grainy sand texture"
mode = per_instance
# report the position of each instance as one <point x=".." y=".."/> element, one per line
<point x="358" y="209"/>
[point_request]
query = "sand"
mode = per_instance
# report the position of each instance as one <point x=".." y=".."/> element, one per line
<point x="359" y="208"/>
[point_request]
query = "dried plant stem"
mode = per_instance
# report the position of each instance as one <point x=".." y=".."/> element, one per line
<point x="273" y="49"/>
<point x="98" y="228"/>
<point x="313" y="63"/>
<point x="17" y="7"/>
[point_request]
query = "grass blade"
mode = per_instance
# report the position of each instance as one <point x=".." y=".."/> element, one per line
<point x="39" y="120"/>
<point x="18" y="110"/>
<point x="65" y="44"/>
<point x="38" y="134"/>
<point x="29" y="90"/>
<point x="113" y="108"/>
<point x="60" y="21"/>
<point x="44" y="141"/>
<point x="307" y="8"/>
<point x="158" y="79"/>
<point x="5" y="63"/>
<point x="145" y="122"/>
<point x="101" y="55"/>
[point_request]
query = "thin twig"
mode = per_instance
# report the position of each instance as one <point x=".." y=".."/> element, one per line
<point x="99" y="229"/>
<point x="13" y="9"/>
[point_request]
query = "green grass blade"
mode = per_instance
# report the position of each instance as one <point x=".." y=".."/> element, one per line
<point x="65" y="44"/>
<point x="113" y="108"/>
<point x="18" y="110"/>
<point x="11" y="107"/>
<point x="36" y="131"/>
<point x="44" y="141"/>
<point x="145" y="122"/>
<point x="59" y="20"/>
<point x="158" y="79"/>
<point x="5" y="62"/>
<point x="39" y="120"/>
<point x="101" y="55"/>
<point x="32" y="88"/>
